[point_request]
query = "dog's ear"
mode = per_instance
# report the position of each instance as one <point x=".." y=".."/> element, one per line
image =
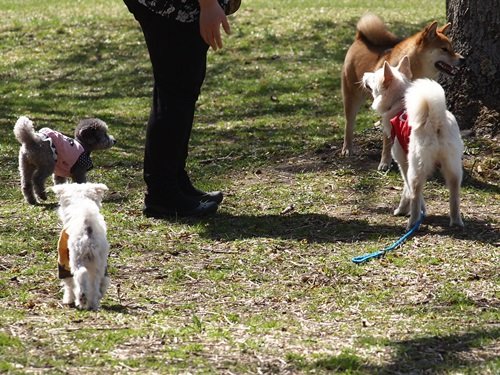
<point x="86" y="133"/>
<point x="431" y="31"/>
<point x="404" y="67"/>
<point x="444" y="30"/>
<point x="100" y="190"/>
<point x="388" y="75"/>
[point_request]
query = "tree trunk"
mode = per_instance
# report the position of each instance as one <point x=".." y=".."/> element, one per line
<point x="474" y="93"/>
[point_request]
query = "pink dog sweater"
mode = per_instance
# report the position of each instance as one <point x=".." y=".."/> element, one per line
<point x="401" y="129"/>
<point x="67" y="152"/>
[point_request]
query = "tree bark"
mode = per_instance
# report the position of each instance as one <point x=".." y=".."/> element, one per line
<point x="474" y="93"/>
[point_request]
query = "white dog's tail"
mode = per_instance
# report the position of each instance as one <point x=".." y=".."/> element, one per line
<point x="25" y="132"/>
<point x="87" y="233"/>
<point x="425" y="103"/>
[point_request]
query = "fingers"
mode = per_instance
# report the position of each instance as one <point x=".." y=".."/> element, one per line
<point x="218" y="40"/>
<point x="225" y="25"/>
<point x="218" y="36"/>
<point x="212" y="38"/>
<point x="211" y="19"/>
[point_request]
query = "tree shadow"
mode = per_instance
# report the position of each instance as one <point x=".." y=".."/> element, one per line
<point x="438" y="353"/>
<point x="104" y="67"/>
<point x="424" y="355"/>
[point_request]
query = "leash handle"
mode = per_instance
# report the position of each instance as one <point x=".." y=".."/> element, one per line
<point x="377" y="254"/>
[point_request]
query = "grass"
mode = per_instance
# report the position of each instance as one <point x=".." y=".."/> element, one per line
<point x="266" y="285"/>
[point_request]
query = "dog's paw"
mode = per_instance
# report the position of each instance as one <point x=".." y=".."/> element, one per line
<point x="347" y="151"/>
<point x="29" y="197"/>
<point x="384" y="166"/>
<point x="81" y="302"/>
<point x="68" y="299"/>
<point x="457" y="223"/>
<point x="401" y="211"/>
<point x="42" y="196"/>
<point x="94" y="306"/>
<point x="31" y="201"/>
<point x="410" y="225"/>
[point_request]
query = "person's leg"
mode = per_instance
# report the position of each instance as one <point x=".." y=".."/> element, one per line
<point x="178" y="57"/>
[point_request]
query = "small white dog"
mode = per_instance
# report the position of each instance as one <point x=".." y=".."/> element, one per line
<point x="418" y="108"/>
<point x="83" y="237"/>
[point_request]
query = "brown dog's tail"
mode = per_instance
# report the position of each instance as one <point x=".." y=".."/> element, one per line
<point x="25" y="132"/>
<point x="372" y="30"/>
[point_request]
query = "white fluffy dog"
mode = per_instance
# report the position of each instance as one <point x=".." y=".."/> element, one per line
<point x="425" y="135"/>
<point x="84" y="235"/>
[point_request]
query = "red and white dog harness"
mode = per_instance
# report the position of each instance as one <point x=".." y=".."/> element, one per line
<point x="401" y="129"/>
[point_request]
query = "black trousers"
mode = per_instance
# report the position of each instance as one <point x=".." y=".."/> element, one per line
<point x="178" y="56"/>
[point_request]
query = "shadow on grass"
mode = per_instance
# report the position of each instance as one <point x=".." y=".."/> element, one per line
<point x="444" y="353"/>
<point x="319" y="228"/>
<point x="478" y="230"/>
<point x="313" y="228"/>
<point x="422" y="355"/>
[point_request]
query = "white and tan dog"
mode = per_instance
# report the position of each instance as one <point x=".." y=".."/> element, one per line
<point x="84" y="238"/>
<point x="425" y="135"/>
<point x="430" y="52"/>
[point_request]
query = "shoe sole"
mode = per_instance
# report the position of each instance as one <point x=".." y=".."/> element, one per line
<point x="151" y="213"/>
<point x="210" y="198"/>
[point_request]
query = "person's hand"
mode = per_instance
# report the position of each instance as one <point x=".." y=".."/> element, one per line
<point x="211" y="18"/>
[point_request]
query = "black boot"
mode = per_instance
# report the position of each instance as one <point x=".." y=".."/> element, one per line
<point x="187" y="188"/>
<point x="171" y="202"/>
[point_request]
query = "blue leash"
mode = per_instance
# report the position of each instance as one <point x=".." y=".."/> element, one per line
<point x="379" y="253"/>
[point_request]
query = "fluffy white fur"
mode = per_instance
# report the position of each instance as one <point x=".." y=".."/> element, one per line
<point x="434" y="141"/>
<point x="79" y="206"/>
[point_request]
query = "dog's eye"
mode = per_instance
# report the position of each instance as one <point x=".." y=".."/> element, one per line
<point x="444" y="49"/>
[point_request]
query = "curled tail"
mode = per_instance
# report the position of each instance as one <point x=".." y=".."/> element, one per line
<point x="373" y="30"/>
<point x="25" y="132"/>
<point x="425" y="103"/>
